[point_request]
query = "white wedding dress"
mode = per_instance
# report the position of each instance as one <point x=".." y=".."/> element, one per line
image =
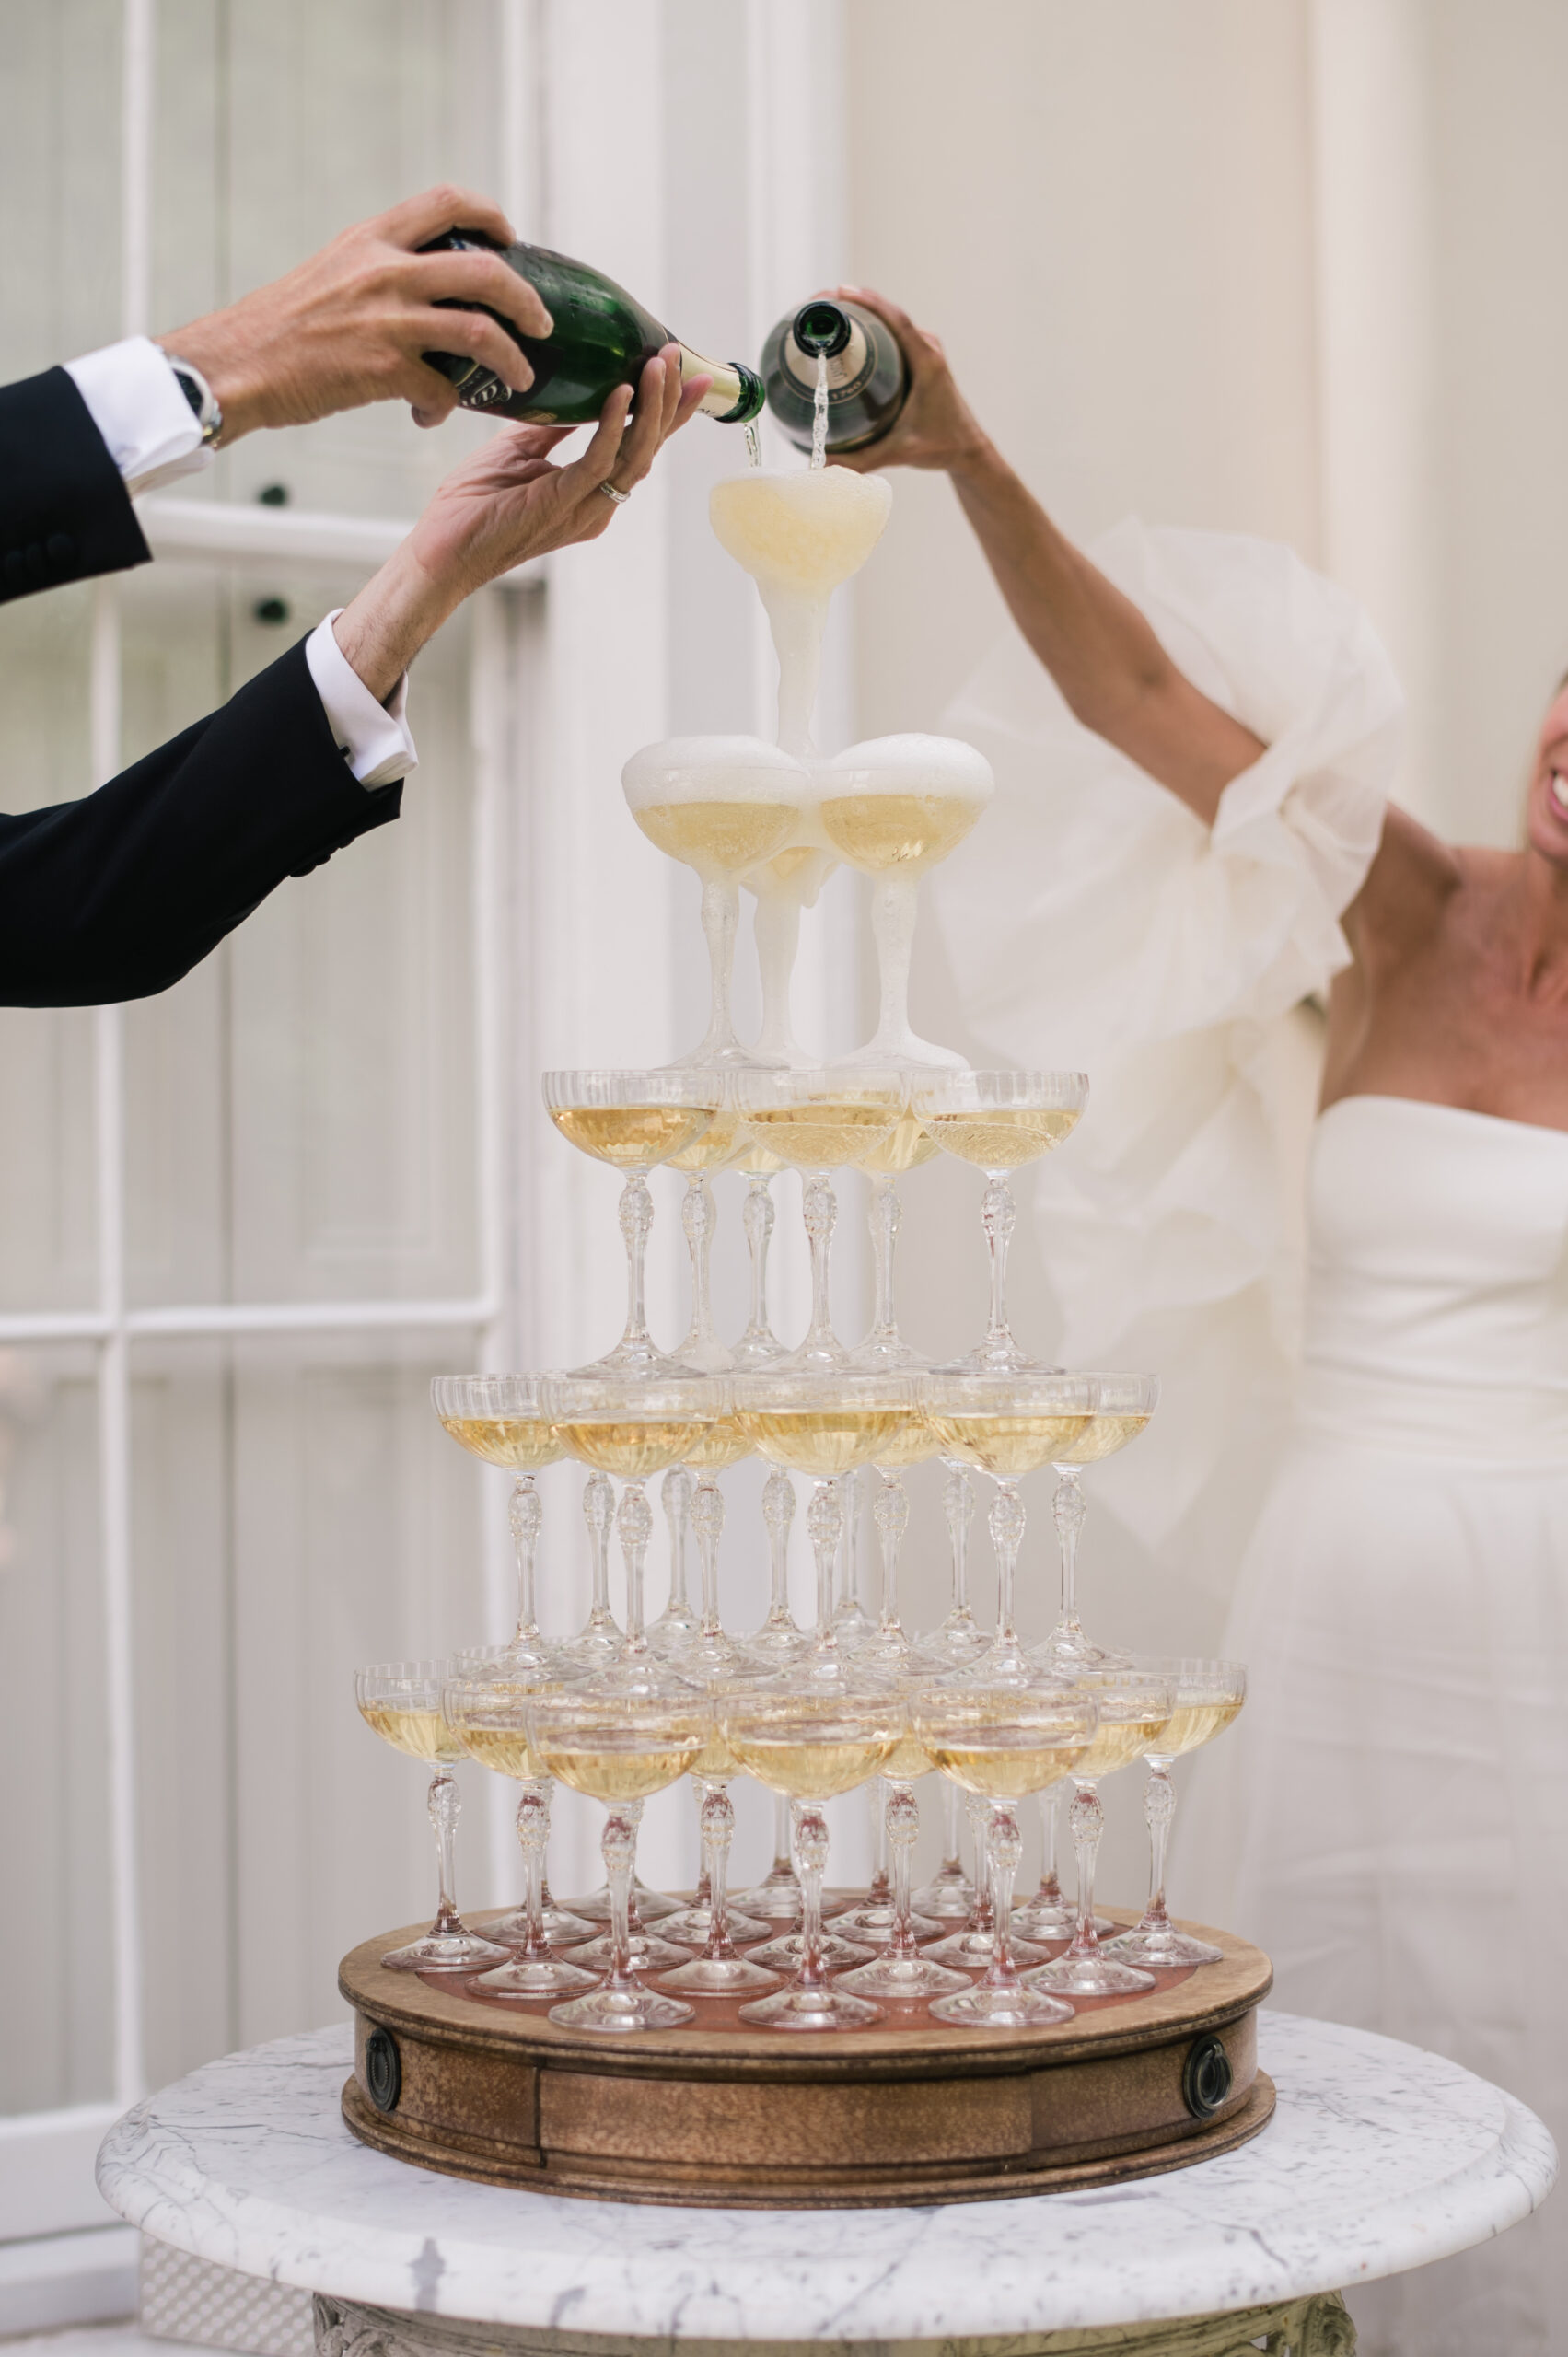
<point x="1366" y="1410"/>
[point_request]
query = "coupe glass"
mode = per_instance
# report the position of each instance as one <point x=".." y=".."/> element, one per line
<point x="958" y="1643"/>
<point x="486" y="1710"/>
<point x="780" y="1638"/>
<point x="894" y="808"/>
<point x="785" y="884"/>
<point x="899" y="1973"/>
<point x="1002" y="1731"/>
<point x="1122" y="1405"/>
<point x="998" y="1120"/>
<point x="521" y="1666"/>
<point x="722" y="1144"/>
<point x="717" y="1971"/>
<point x="1006" y="1427"/>
<point x="909" y="1146"/>
<point x="1134" y="1705"/>
<point x="722" y="804"/>
<point x="759" y="1346"/>
<point x="677" y="1624"/>
<point x="501" y="1417"/>
<point x="1209" y="1695"/>
<point x="599" y="1640"/>
<point x="633" y="1121"/>
<point x="817" y="1121"/>
<point x="400" y="1700"/>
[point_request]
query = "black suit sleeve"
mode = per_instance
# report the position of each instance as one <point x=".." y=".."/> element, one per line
<point x="118" y="895"/>
<point x="65" y="512"/>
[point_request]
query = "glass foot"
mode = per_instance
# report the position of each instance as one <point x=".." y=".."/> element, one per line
<point x="903" y="1979"/>
<point x="622" y="2009"/>
<point x="458" y="1951"/>
<point x="873" y="1924"/>
<point x="788" y="1953"/>
<point x="693" y="1925"/>
<point x="809" y="2009"/>
<point x="824" y="1355"/>
<point x="636" y="1363"/>
<point x="539" y="1976"/>
<point x="1014" y="2008"/>
<point x="947" y="1900"/>
<point x="651" y="1905"/>
<point x="1068" y="1649"/>
<point x="888" y="1354"/>
<point x="977" y="1948"/>
<point x="776" y="1648"/>
<point x="899" y="1051"/>
<point x="1003" y="1356"/>
<point x="777" y="1901"/>
<point x="1046" y="1919"/>
<point x="676" y="1628"/>
<point x="1089" y="1976"/>
<point x="1165" y="1949"/>
<point x="649" y="1953"/>
<point x="755" y="1351"/>
<point x="559" y="1926"/>
<point x="718" y="1976"/>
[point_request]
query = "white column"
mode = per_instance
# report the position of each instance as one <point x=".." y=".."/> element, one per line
<point x="1378" y="343"/>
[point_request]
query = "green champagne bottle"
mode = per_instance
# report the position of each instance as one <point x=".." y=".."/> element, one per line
<point x="601" y="338"/>
<point x="867" y="381"/>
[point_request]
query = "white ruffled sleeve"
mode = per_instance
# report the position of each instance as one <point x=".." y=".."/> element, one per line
<point x="1093" y="922"/>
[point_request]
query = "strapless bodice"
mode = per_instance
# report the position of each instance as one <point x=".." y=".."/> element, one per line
<point x="1437" y="1287"/>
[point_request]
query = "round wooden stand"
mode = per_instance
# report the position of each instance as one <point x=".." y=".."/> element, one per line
<point x="718" y="2114"/>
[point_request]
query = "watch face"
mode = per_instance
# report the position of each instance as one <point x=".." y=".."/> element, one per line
<point x="189" y="385"/>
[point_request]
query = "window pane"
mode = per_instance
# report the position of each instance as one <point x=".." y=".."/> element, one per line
<point x="54" y="1835"/>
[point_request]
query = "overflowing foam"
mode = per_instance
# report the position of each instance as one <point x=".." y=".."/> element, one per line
<point x="714" y="769"/>
<point x="799" y="537"/>
<point x="936" y="766"/>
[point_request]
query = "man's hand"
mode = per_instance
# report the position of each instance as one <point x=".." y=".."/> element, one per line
<point x="936" y="427"/>
<point x="348" y="326"/>
<point x="507" y="502"/>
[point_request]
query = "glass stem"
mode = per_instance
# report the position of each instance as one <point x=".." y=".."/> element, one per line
<point x="903" y="1831"/>
<point x="634" y="1525"/>
<point x="981" y="1915"/>
<point x="1005" y="1847"/>
<point x="598" y="1512"/>
<point x="633" y="1813"/>
<point x="1085" y="1821"/>
<point x="699" y="1217"/>
<point x="891" y="1515"/>
<point x="778" y="939"/>
<point x="783" y="1860"/>
<point x="707" y="1520"/>
<point x="533" y="1833"/>
<point x="952" y="1859"/>
<point x="1006" y="1524"/>
<point x="957" y="1504"/>
<point x="885" y="1215"/>
<point x="721" y="913"/>
<point x="999" y="1214"/>
<point x="757" y="1218"/>
<point x="619" y="1849"/>
<point x="1067" y="1509"/>
<point x="445" y="1803"/>
<point x="527" y="1515"/>
<point x="822" y="1213"/>
<point x="811" y="1849"/>
<point x="894" y="900"/>
<point x="849" y="1584"/>
<point x="675" y="1496"/>
<point x="880" y="1889"/>
<point x="719" y="1831"/>
<point x="1050" y="1893"/>
<point x="636" y="1218"/>
<point x="823" y="1520"/>
<point x="778" y="1512"/>
<point x="1159" y="1808"/>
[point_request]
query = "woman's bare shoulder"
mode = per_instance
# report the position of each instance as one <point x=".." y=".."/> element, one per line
<point x="1410" y="885"/>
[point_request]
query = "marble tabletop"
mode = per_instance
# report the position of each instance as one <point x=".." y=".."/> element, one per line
<point x="1378" y="2158"/>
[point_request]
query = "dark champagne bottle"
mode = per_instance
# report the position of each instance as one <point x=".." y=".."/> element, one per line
<point x="601" y="338"/>
<point x="867" y="381"/>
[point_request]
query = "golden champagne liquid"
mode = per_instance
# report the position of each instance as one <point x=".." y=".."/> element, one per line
<point x="875" y="832"/>
<point x="804" y="1769"/>
<point x="632" y="1449"/>
<point x="504" y="1748"/>
<point x="826" y="1135"/>
<point x="1117" y="1743"/>
<point x="908" y="1761"/>
<point x="723" y="1443"/>
<point x="789" y="863"/>
<point x="631" y="1137"/>
<point x="1007" y="1771"/>
<point x="607" y="1773"/>
<point x="803" y="531"/>
<point x="1008" y="1446"/>
<point x="1004" y="1137"/>
<point x="716" y="1760"/>
<point x="756" y="1160"/>
<point x="413" y="1728"/>
<point x="526" y="1444"/>
<point x="823" y="1441"/>
<point x="720" y="1142"/>
<point x="905" y="1149"/>
<point x="913" y="1445"/>
<point x="1102" y="1436"/>
<point x="1192" y="1723"/>
<point x="729" y="836"/>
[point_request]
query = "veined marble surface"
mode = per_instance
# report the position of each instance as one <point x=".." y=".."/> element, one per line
<point x="1378" y="2158"/>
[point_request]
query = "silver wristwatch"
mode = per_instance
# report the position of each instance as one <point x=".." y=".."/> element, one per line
<point x="203" y="401"/>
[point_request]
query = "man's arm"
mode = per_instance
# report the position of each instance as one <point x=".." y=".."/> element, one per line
<point x="65" y="511"/>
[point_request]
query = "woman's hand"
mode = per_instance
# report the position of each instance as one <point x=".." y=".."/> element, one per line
<point x="505" y="504"/>
<point x="936" y="427"/>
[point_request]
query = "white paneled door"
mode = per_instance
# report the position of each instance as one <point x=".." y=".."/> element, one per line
<point x="242" y="1223"/>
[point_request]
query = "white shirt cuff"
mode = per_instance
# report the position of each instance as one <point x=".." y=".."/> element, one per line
<point x="373" y="738"/>
<point x="135" y="401"/>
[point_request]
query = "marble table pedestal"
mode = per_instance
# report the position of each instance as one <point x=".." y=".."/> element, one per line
<point x="1378" y="2158"/>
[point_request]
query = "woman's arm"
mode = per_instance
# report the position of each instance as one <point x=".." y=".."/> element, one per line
<point x="1099" y="648"/>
